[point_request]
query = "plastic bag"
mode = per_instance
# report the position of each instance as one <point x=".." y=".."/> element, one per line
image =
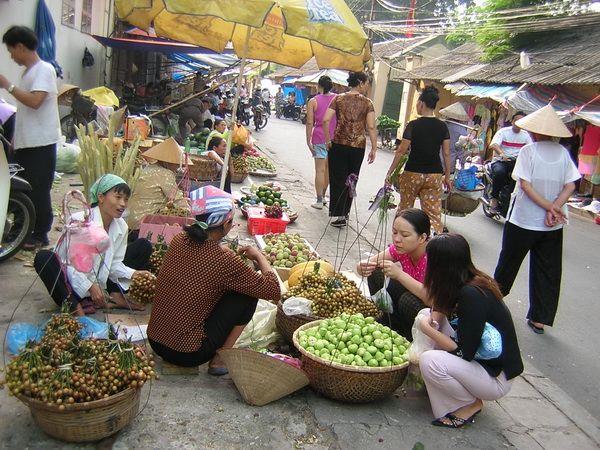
<point x="240" y="135"/>
<point x="19" y="334"/>
<point x="261" y="330"/>
<point x="66" y="158"/>
<point x="382" y="298"/>
<point x="92" y="328"/>
<point x="421" y="342"/>
<point x="295" y="306"/>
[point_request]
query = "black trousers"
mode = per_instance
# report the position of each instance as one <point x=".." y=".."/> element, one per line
<point x="343" y="160"/>
<point x="233" y="309"/>
<point x="406" y="304"/>
<point x="50" y="270"/>
<point x="39" y="164"/>
<point x="545" y="268"/>
<point x="501" y="176"/>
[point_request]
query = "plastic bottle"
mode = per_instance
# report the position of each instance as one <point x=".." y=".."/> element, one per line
<point x="186" y="145"/>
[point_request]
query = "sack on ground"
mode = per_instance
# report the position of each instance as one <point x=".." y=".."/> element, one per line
<point x="421" y="342"/>
<point x="66" y="157"/>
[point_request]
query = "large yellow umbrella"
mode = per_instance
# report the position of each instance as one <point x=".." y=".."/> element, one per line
<point x="288" y="32"/>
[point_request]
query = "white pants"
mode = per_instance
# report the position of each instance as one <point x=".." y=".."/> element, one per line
<point x="453" y="382"/>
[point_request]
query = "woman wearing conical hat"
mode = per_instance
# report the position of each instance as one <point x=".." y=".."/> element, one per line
<point x="545" y="176"/>
<point x="157" y="185"/>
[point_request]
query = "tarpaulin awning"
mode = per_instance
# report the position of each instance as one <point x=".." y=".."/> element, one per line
<point x="337" y="77"/>
<point x="46" y="34"/>
<point x="152" y="45"/>
<point x="567" y="102"/>
<point x="496" y="92"/>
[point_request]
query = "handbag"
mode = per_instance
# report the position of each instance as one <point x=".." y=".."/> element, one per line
<point x="490" y="346"/>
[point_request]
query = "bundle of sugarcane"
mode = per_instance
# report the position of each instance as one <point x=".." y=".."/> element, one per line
<point x="96" y="157"/>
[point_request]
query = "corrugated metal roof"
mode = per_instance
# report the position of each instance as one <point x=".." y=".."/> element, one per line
<point x="574" y="59"/>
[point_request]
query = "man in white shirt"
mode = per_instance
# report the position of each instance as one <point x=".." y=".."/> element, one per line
<point x="37" y="126"/>
<point x="506" y="144"/>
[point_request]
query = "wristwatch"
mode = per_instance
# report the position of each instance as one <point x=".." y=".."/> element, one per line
<point x="11" y="88"/>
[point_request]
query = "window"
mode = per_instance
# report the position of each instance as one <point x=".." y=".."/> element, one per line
<point x="68" y="13"/>
<point x="86" y="16"/>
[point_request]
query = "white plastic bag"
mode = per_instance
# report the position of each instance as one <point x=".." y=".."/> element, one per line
<point x="261" y="330"/>
<point x="421" y="342"/>
<point x="295" y="306"/>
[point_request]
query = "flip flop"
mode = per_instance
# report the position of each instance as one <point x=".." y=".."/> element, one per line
<point x="536" y="329"/>
<point x="110" y="304"/>
<point x="218" y="371"/>
<point x="88" y="307"/>
<point x="455" y="422"/>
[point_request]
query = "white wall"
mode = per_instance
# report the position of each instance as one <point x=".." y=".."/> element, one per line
<point x="70" y="42"/>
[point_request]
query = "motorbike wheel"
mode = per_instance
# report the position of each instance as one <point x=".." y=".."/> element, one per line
<point x="485" y="204"/>
<point x="260" y="121"/>
<point x="20" y="220"/>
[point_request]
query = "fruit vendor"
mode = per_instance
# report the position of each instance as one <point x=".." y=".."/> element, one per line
<point x="404" y="262"/>
<point x="206" y="293"/>
<point x="112" y="270"/>
<point x="468" y="364"/>
<point x="219" y="131"/>
<point x="157" y="186"/>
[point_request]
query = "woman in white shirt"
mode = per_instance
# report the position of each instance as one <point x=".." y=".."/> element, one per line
<point x="112" y="270"/>
<point x="545" y="176"/>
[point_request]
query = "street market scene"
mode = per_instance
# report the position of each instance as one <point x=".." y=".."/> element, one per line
<point x="308" y="224"/>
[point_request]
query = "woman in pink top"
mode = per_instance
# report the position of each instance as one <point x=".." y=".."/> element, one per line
<point x="315" y="138"/>
<point x="404" y="262"/>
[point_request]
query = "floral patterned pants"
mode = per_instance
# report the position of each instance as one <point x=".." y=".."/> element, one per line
<point x="426" y="186"/>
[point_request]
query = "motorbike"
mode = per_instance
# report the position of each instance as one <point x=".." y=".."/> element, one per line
<point x="288" y="111"/>
<point x="244" y="112"/>
<point x="260" y="117"/>
<point x="302" y="116"/>
<point x="503" y="196"/>
<point x="17" y="213"/>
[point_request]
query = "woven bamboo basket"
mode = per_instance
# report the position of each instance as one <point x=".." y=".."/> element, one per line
<point x="286" y="325"/>
<point x="459" y="204"/>
<point x="259" y="378"/>
<point x="238" y="177"/>
<point x="86" y="422"/>
<point x="204" y="168"/>
<point x="350" y="384"/>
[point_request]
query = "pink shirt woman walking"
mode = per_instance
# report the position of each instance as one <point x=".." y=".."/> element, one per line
<point x="315" y="136"/>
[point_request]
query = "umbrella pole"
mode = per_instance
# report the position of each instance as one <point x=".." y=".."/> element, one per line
<point x="236" y="101"/>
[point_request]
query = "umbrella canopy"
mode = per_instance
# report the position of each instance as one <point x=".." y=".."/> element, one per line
<point x="45" y="32"/>
<point x="337" y="77"/>
<point x="287" y="32"/>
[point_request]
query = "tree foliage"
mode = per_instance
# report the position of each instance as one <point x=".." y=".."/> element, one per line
<point x="500" y="33"/>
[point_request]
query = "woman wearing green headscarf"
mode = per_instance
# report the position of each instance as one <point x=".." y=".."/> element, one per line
<point x="112" y="270"/>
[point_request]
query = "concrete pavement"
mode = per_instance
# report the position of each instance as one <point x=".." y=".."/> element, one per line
<point x="207" y="412"/>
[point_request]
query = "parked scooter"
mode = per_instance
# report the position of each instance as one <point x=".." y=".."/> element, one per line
<point x="17" y="213"/>
<point x="244" y="112"/>
<point x="503" y="196"/>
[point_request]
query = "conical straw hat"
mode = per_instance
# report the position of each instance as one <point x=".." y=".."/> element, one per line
<point x="455" y="111"/>
<point x="167" y="151"/>
<point x="544" y="121"/>
<point x="66" y="88"/>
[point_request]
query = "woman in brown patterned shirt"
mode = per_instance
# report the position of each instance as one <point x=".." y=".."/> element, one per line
<point x="205" y="293"/>
<point x="355" y="114"/>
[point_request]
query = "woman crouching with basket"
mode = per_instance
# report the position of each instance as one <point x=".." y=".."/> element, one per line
<point x="475" y="358"/>
<point x="205" y="293"/>
<point x="403" y="264"/>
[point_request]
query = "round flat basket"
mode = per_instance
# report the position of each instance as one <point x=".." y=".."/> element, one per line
<point x="350" y="384"/>
<point x="246" y="190"/>
<point x="259" y="378"/>
<point x="288" y="324"/>
<point x="86" y="422"/>
<point x="262" y="173"/>
<point x="457" y="203"/>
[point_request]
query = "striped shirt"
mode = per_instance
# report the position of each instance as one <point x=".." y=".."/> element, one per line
<point x="511" y="142"/>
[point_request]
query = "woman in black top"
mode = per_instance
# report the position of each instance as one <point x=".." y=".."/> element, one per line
<point x="457" y="381"/>
<point x="422" y="176"/>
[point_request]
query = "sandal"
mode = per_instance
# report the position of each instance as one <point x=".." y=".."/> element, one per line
<point x="455" y="421"/>
<point x="218" y="371"/>
<point x="535" y="328"/>
<point x="88" y="307"/>
<point x="111" y="304"/>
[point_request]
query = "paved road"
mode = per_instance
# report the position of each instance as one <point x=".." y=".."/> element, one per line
<point x="568" y="353"/>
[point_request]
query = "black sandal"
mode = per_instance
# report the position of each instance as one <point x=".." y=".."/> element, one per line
<point x="535" y="328"/>
<point x="455" y="422"/>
